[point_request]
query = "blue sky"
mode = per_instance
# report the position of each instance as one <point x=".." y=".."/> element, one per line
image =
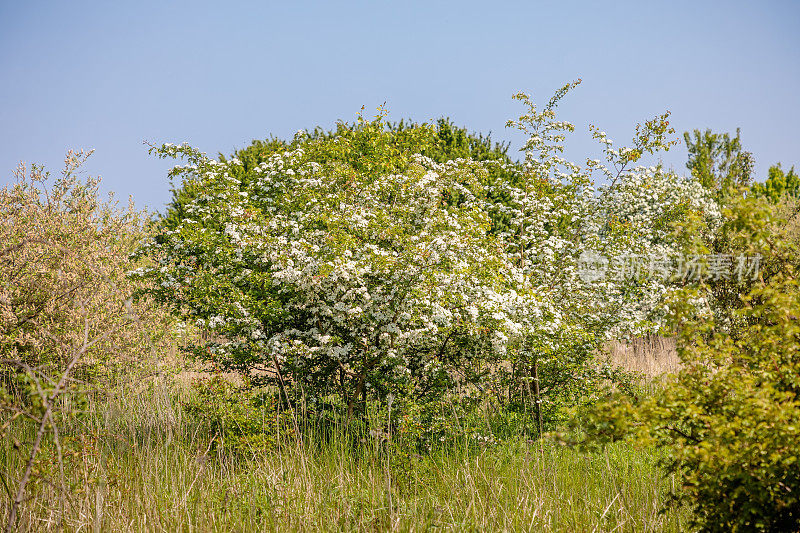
<point x="109" y="75"/>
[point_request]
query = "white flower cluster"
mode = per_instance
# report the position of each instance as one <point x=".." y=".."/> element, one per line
<point x="301" y="259"/>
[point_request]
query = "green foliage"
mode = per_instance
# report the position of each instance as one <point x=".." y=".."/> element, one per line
<point x="238" y="419"/>
<point x="718" y="160"/>
<point x="464" y="421"/>
<point x="778" y="185"/>
<point x="729" y="422"/>
<point x="353" y="264"/>
<point x="725" y="168"/>
<point x="442" y="141"/>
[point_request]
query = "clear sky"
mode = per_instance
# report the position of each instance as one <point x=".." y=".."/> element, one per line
<point x="109" y="75"/>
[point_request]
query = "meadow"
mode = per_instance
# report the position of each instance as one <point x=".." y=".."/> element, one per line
<point x="397" y="327"/>
<point x="136" y="462"/>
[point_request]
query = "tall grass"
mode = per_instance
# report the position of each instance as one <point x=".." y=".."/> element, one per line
<point x="651" y="355"/>
<point x="135" y="462"/>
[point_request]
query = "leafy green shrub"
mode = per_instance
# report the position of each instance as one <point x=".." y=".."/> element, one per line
<point x="779" y="184"/>
<point x="239" y="420"/>
<point x="718" y="160"/>
<point x="729" y="422"/>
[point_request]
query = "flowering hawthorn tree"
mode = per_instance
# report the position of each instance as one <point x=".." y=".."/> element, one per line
<point x="558" y="318"/>
<point x="334" y="279"/>
<point x="352" y="264"/>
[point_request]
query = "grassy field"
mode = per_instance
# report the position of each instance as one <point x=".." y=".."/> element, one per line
<point x="137" y="463"/>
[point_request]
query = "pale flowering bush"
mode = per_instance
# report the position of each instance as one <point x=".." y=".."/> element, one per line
<point x="63" y="260"/>
<point x="352" y="264"/>
<point x="69" y="328"/>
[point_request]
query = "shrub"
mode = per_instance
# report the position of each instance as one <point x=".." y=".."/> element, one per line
<point x="239" y="420"/>
<point x="62" y="273"/>
<point x="67" y="321"/>
<point x="336" y="279"/>
<point x="730" y="420"/>
<point x="353" y="265"/>
<point x="778" y="185"/>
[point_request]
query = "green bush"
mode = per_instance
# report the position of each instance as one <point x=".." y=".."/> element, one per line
<point x="238" y="419"/>
<point x="353" y="265"/>
<point x="778" y="185"/>
<point x="730" y="420"/>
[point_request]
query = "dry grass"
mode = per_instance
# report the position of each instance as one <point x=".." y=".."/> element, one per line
<point x="651" y="356"/>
